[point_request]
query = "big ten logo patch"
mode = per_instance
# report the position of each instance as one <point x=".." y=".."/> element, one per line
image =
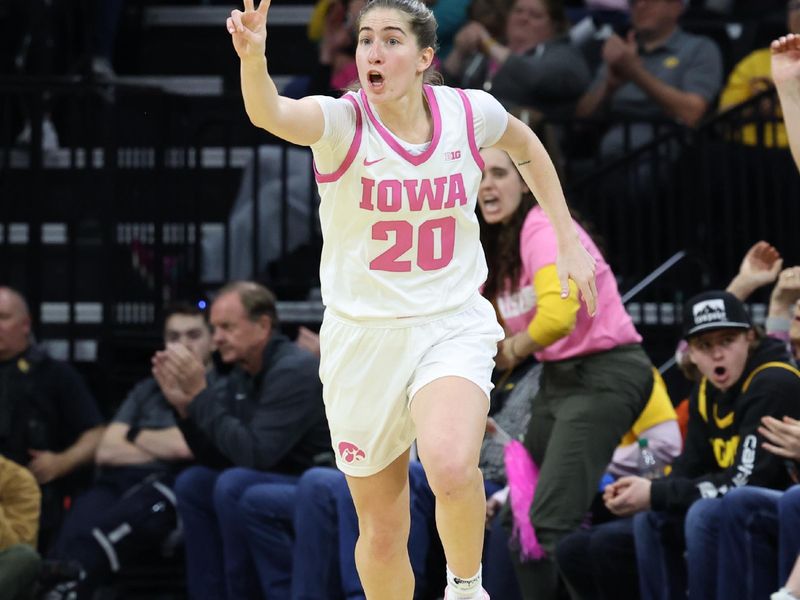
<point x="452" y="155"/>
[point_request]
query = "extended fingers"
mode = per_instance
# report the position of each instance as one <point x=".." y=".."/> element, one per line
<point x="778" y="427"/>
<point x="772" y="436"/>
<point x="777" y="450"/>
<point x="263" y="6"/>
<point x="786" y="43"/>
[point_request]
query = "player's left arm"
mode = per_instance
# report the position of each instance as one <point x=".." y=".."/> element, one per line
<point x="539" y="173"/>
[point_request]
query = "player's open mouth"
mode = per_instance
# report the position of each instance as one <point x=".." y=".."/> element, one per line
<point x="720" y="371"/>
<point x="375" y="79"/>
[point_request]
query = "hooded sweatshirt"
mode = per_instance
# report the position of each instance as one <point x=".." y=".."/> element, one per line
<point x="723" y="449"/>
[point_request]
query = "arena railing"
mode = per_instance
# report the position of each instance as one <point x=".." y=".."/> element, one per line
<point x="152" y="196"/>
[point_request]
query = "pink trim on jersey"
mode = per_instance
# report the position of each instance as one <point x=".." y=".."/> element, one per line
<point x="351" y="152"/>
<point x="392" y="141"/>
<point x="473" y="145"/>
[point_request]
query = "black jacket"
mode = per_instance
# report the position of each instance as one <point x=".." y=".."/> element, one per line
<point x="723" y="447"/>
<point x="273" y="421"/>
<point x="44" y="404"/>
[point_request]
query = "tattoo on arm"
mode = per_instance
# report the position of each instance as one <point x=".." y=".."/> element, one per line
<point x="524" y="162"/>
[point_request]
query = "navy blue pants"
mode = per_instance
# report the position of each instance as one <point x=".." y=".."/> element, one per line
<point x="760" y="541"/>
<point x="662" y="541"/>
<point x="136" y="503"/>
<point x="600" y="561"/>
<point x="318" y="519"/>
<point x="219" y="561"/>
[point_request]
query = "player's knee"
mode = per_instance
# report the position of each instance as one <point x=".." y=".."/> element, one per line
<point x="380" y="540"/>
<point x="452" y="476"/>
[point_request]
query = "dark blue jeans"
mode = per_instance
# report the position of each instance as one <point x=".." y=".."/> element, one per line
<point x="310" y="530"/>
<point x="267" y="510"/>
<point x="659" y="555"/>
<point x="748" y="550"/>
<point x="600" y="561"/>
<point x="702" y="531"/>
<point x="789" y="518"/>
<point x="326" y="529"/>
<point x="219" y="562"/>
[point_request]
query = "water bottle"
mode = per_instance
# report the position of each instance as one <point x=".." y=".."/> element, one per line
<point x="649" y="466"/>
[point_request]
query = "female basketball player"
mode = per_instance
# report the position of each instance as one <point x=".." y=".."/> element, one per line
<point x="407" y="342"/>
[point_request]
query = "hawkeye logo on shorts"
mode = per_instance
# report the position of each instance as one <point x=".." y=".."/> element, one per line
<point x="351" y="453"/>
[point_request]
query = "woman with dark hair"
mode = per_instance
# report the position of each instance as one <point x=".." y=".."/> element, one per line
<point x="596" y="378"/>
<point x="536" y="67"/>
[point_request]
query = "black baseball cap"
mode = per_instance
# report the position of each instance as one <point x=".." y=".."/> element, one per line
<point x="712" y="310"/>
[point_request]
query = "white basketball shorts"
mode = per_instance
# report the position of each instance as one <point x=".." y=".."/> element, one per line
<point x="371" y="371"/>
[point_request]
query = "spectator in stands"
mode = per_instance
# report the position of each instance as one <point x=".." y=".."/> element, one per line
<point x="758" y="525"/>
<point x="599" y="561"/>
<point x="658" y="71"/>
<point x="19" y="523"/>
<point x="537" y="67"/>
<point x="752" y="76"/>
<point x="49" y="421"/>
<point x="137" y="460"/>
<point x="786" y="75"/>
<point x="596" y="377"/>
<point x="746" y="376"/>
<point x="266" y="418"/>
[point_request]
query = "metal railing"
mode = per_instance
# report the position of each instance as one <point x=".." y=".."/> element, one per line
<point x="153" y="196"/>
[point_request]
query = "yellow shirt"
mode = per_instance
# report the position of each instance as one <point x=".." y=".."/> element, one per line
<point x="751" y="76"/>
<point x="20" y="500"/>
<point x="658" y="410"/>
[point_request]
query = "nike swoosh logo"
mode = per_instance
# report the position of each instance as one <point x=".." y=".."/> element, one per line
<point x="372" y="162"/>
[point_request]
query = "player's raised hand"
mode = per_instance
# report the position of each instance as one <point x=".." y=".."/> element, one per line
<point x="248" y="29"/>
<point x="786" y="60"/>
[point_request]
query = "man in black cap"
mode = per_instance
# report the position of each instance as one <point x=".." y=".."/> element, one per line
<point x="745" y="376"/>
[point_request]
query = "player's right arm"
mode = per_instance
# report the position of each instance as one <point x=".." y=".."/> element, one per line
<point x="297" y="121"/>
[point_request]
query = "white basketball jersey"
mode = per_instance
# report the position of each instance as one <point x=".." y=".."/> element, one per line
<point x="401" y="236"/>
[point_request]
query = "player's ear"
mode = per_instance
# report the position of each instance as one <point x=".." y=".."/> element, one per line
<point x="425" y="59"/>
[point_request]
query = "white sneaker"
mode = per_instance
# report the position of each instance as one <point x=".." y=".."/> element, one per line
<point x="783" y="594"/>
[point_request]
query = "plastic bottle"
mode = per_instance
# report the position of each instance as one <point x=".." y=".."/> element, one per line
<point x="649" y="466"/>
